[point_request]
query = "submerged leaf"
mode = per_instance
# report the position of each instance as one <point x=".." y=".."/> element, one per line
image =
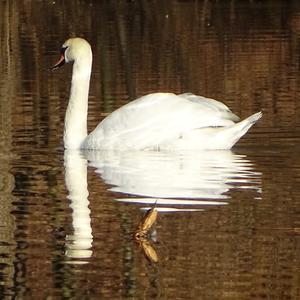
<point x="149" y="251"/>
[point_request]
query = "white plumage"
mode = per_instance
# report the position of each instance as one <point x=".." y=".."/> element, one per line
<point x="155" y="121"/>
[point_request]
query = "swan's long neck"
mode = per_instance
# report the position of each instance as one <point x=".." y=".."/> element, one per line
<point x="75" y="130"/>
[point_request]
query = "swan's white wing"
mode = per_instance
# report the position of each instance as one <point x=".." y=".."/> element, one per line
<point x="157" y="118"/>
<point x="213" y="104"/>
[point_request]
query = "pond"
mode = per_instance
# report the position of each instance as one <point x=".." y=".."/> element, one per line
<point x="228" y="224"/>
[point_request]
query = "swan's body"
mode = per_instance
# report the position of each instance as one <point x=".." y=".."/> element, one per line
<point x="154" y="121"/>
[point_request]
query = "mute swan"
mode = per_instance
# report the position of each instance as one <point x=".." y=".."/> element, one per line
<point x="155" y="121"/>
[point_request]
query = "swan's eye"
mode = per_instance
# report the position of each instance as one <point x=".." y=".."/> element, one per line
<point x="63" y="50"/>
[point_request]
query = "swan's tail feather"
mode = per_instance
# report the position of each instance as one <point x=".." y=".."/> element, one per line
<point x="244" y="125"/>
<point x="239" y="129"/>
<point x="254" y="118"/>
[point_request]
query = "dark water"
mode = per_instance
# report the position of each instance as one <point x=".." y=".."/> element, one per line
<point x="229" y="222"/>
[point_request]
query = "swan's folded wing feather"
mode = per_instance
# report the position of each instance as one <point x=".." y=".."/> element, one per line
<point x="213" y="104"/>
<point x="153" y="119"/>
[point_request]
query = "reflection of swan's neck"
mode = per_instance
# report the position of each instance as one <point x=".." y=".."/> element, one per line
<point x="80" y="243"/>
<point x="76" y="115"/>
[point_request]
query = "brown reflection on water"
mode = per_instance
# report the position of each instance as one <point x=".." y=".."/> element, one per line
<point x="245" y="52"/>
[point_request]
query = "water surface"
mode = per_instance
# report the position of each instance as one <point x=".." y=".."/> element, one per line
<point x="228" y="224"/>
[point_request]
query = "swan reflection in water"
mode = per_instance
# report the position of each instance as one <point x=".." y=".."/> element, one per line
<point x="173" y="181"/>
<point x="79" y="244"/>
<point x="172" y="178"/>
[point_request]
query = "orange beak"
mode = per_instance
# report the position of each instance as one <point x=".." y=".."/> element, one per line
<point x="59" y="63"/>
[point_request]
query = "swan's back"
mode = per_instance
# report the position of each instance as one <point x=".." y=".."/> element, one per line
<point x="158" y="119"/>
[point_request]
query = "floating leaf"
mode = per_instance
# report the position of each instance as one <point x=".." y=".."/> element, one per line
<point x="148" y="220"/>
<point x="141" y="235"/>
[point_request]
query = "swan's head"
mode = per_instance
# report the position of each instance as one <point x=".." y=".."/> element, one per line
<point x="74" y="49"/>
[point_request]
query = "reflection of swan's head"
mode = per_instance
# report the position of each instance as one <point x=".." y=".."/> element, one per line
<point x="74" y="49"/>
<point x="78" y="244"/>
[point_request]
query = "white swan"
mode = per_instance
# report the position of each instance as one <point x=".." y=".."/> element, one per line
<point x="154" y="121"/>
